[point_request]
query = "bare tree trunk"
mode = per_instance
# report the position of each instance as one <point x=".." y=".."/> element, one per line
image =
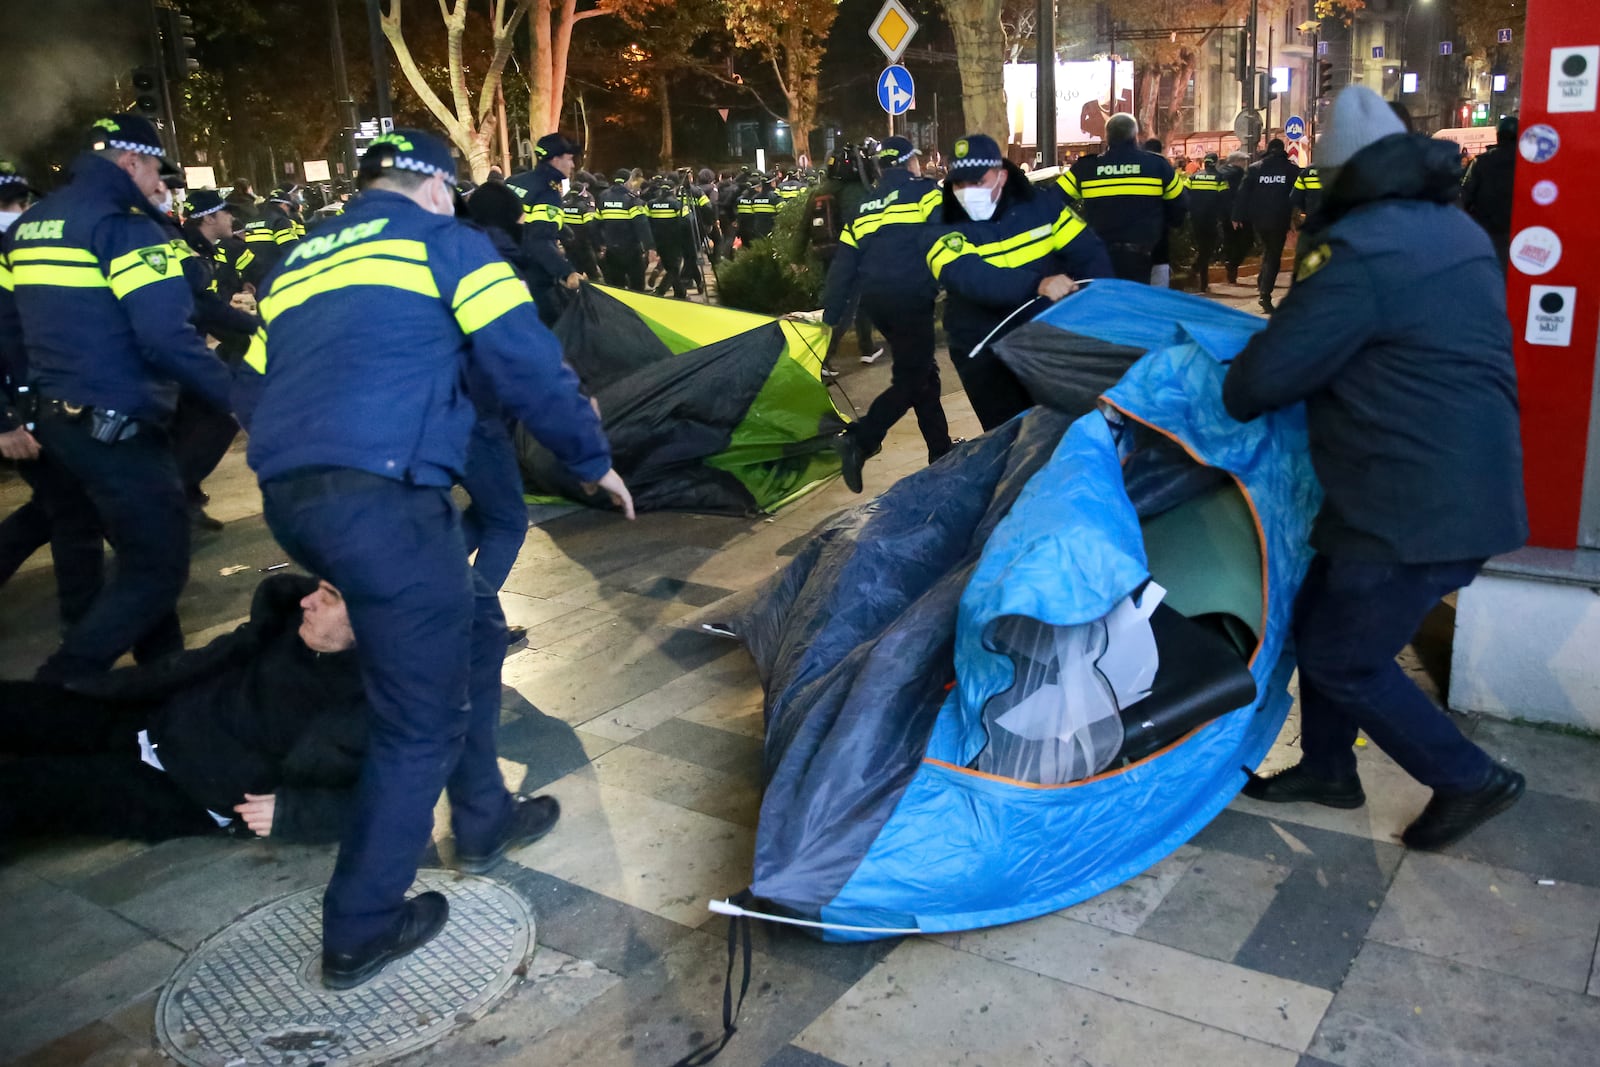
<point x="980" y="58"/>
<point x="665" y="101"/>
<point x="540" y="68"/>
<point x="1144" y="100"/>
<point x="561" y="45"/>
<point x="505" y="130"/>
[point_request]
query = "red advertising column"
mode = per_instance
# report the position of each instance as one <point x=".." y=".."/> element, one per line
<point x="1553" y="292"/>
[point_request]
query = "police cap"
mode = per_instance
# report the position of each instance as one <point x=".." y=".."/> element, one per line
<point x="554" y="144"/>
<point x="896" y="150"/>
<point x="289" y="195"/>
<point x="12" y="183"/>
<point x="203" y="202"/>
<point x="972" y="156"/>
<point x="622" y="175"/>
<point x="411" y="150"/>
<point x="129" y="133"/>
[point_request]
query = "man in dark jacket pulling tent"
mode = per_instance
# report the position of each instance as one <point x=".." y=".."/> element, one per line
<point x="1395" y="336"/>
<point x="1000" y="244"/>
<point x="265" y="726"/>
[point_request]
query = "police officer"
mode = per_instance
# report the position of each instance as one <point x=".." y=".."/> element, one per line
<point x="1208" y="192"/>
<point x="580" y="220"/>
<point x="1235" y="240"/>
<point x="1130" y="198"/>
<point x="1305" y="197"/>
<point x="669" y="211"/>
<point x="624" y="233"/>
<point x="360" y="427"/>
<point x="789" y="186"/>
<point x="102" y="319"/>
<point x="15" y="194"/>
<point x="758" y="210"/>
<point x="1000" y="243"/>
<point x="201" y="432"/>
<point x="269" y="235"/>
<point x="1262" y="204"/>
<point x="542" y="219"/>
<point x="872" y="257"/>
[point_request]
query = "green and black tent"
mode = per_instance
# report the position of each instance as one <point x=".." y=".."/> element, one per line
<point x="707" y="409"/>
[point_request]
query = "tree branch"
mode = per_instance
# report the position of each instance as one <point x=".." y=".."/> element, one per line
<point x="390" y="23"/>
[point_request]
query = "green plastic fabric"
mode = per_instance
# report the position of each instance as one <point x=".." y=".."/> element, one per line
<point x="1207" y="554"/>
<point x="770" y="452"/>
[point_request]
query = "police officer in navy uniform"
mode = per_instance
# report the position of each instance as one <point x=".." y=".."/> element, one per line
<point x="201" y="433"/>
<point x="1129" y="197"/>
<point x="758" y="210"/>
<point x="1306" y="196"/>
<point x="877" y="255"/>
<point x="624" y="233"/>
<point x="1208" y="195"/>
<point x="101" y="317"/>
<point x="269" y="235"/>
<point x="1262" y="204"/>
<point x="542" y="219"/>
<point x="668" y="211"/>
<point x="579" y="218"/>
<point x="990" y="269"/>
<point x="358" y="428"/>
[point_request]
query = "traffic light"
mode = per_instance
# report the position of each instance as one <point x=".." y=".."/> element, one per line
<point x="147" y="92"/>
<point x="177" y="44"/>
<point x="1324" y="78"/>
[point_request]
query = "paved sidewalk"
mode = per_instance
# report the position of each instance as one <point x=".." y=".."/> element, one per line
<point x="1279" y="936"/>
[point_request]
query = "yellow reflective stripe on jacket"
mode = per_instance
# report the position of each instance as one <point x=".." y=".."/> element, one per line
<point x="616" y="214"/>
<point x="1173" y="189"/>
<point x="1069" y="185"/>
<point x="486" y="294"/>
<point x="941" y="255"/>
<point x="917" y="211"/>
<point x="286" y="236"/>
<point x="1307" y="180"/>
<point x="5" y="275"/>
<point x="357" y="265"/>
<point x="1094" y="188"/>
<point x="415" y="251"/>
<point x="1018" y="250"/>
<point x="255" y="356"/>
<point x="260" y="236"/>
<point x="541" y="213"/>
<point x="57" y="265"/>
<point x="144" y="266"/>
<point x="246" y="258"/>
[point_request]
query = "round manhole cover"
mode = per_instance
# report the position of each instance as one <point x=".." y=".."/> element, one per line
<point x="252" y="993"/>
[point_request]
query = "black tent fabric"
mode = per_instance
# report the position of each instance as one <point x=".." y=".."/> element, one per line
<point x="603" y="340"/>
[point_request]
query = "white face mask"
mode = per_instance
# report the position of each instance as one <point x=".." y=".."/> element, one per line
<point x="163" y="203"/>
<point x="7" y="218"/>
<point x="566" y="186"/>
<point x="978" y="201"/>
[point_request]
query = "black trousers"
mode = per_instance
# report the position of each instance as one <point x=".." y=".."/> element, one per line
<point x="74" y="535"/>
<point x="913" y="378"/>
<point x="995" y="392"/>
<point x="624" y="267"/>
<point x="1131" y="262"/>
<point x="1272" y="242"/>
<point x="1235" y="244"/>
<point x="200" y="438"/>
<point x="131" y="490"/>
<point x="1205" y="247"/>
<point x="671" y="249"/>
<point x="77" y="770"/>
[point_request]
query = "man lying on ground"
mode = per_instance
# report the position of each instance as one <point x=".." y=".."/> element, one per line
<point x="264" y="727"/>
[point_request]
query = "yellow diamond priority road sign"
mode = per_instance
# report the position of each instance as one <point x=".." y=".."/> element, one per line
<point x="892" y="30"/>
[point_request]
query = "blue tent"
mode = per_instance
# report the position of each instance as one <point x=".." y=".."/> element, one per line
<point x="879" y="652"/>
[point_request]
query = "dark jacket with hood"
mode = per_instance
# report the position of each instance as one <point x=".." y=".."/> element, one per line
<point x="256" y="711"/>
<point x="1395" y="336"/>
<point x="1487" y="192"/>
<point x="989" y="269"/>
<point x="1263" y="197"/>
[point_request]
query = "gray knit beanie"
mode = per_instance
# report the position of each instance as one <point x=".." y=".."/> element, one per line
<point x="1359" y="117"/>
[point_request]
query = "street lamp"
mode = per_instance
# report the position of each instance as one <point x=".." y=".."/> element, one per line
<point x="1403" y="23"/>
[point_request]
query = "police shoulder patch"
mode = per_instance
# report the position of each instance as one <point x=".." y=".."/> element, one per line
<point x="953" y="241"/>
<point x="155" y="259"/>
<point x="1312" y="262"/>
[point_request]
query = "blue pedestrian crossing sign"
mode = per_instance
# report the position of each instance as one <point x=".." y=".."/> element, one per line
<point x="896" y="90"/>
<point x="1294" y="128"/>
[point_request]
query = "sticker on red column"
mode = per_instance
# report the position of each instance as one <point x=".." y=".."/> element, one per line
<point x="1545" y="193"/>
<point x="1539" y="143"/>
<point x="1536" y="250"/>
<point x="1550" y="312"/>
<point x="1574" y="78"/>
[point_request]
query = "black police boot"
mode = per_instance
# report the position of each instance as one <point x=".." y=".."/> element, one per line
<point x="201" y="521"/>
<point x="1451" y="816"/>
<point x="1266" y="305"/>
<point x="424" y="917"/>
<point x="516" y="637"/>
<point x="530" y="819"/>
<point x="852" y="457"/>
<point x="1233" y="275"/>
<point x="1296" y="784"/>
